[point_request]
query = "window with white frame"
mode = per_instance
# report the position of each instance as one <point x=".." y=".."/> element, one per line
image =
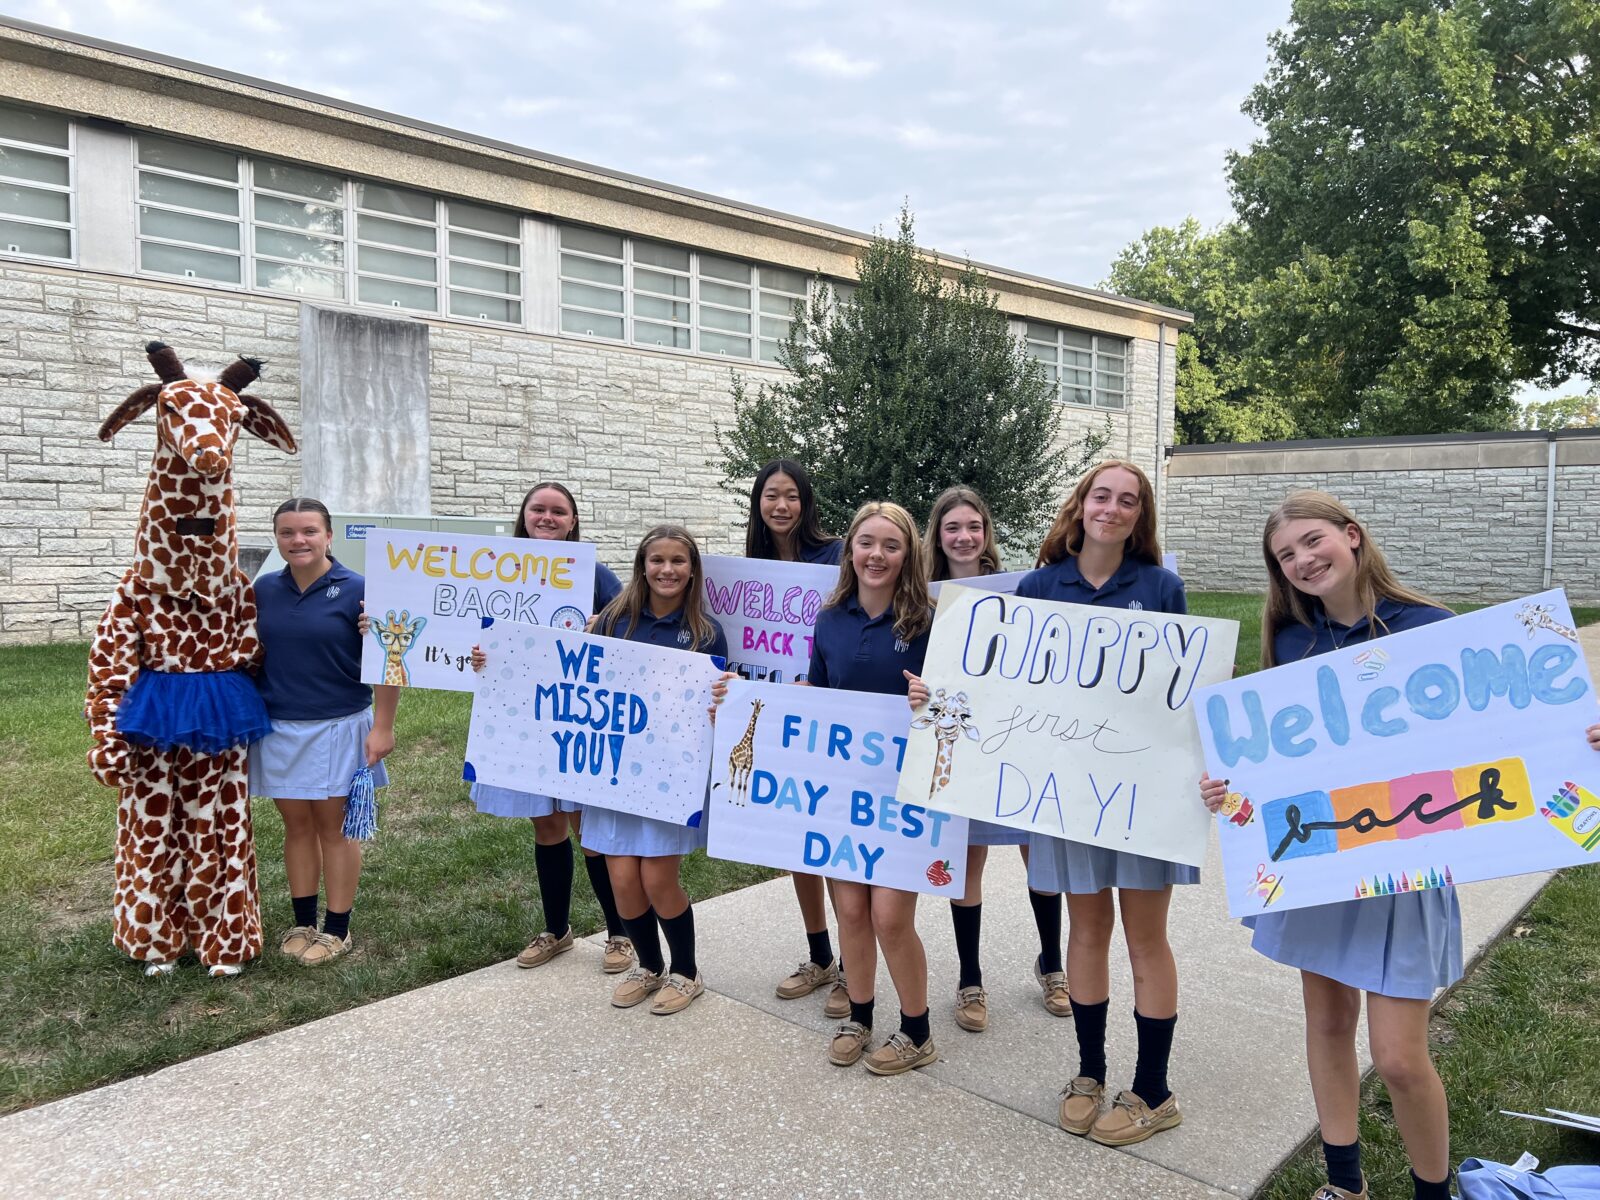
<point x="726" y="296"/>
<point x="298" y="230"/>
<point x="485" y="252"/>
<point x="781" y="290"/>
<point x="189" y="211"/>
<point x="397" y="248"/>
<point x="659" y="297"/>
<point x="592" y="271"/>
<point x="1085" y="368"/>
<point x="36" y="200"/>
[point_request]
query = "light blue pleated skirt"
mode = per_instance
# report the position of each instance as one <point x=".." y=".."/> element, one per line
<point x="1057" y="865"/>
<point x="508" y="802"/>
<point x="1406" y="946"/>
<point x="987" y="833"/>
<point x="607" y="831"/>
<point x="312" y="760"/>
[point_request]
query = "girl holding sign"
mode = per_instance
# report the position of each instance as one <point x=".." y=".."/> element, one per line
<point x="662" y="604"/>
<point x="1103" y="550"/>
<point x="325" y="723"/>
<point x="1328" y="586"/>
<point x="961" y="545"/>
<point x="871" y="636"/>
<point x="549" y="512"/>
<point x="783" y="525"/>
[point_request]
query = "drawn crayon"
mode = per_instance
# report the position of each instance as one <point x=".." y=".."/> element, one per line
<point x="1575" y="811"/>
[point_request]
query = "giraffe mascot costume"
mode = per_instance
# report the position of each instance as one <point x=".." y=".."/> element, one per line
<point x="170" y="707"/>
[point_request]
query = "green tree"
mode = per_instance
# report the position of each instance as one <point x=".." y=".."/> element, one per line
<point x="909" y="386"/>
<point x="1422" y="209"/>
<point x="1577" y="411"/>
<point x="1203" y="273"/>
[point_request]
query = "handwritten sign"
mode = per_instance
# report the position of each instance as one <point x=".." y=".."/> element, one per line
<point x="1003" y="581"/>
<point x="1068" y="719"/>
<point x="804" y="779"/>
<point x="601" y="721"/>
<point x="767" y="609"/>
<point x="430" y="595"/>
<point x="1441" y="755"/>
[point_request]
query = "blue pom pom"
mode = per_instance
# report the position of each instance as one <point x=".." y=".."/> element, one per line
<point x="468" y="773"/>
<point x="361" y="807"/>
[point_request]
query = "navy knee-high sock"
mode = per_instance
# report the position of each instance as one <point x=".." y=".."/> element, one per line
<point x="680" y="940"/>
<point x="968" y="920"/>
<point x="1155" y="1049"/>
<point x="1344" y="1165"/>
<point x="1089" y="1022"/>
<point x="553" y="865"/>
<point x="646" y="940"/>
<point x="1047" y="918"/>
<point x="600" y="882"/>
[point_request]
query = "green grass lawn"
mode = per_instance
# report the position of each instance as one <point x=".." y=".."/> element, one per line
<point x="446" y="890"/>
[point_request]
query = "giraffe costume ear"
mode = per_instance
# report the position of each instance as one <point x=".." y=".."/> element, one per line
<point x="164" y="359"/>
<point x="260" y="419"/>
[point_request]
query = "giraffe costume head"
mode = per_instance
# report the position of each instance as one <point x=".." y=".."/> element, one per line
<point x="950" y="719"/>
<point x="180" y="631"/>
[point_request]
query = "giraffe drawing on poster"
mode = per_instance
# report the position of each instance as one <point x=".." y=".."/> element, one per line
<point x="396" y="635"/>
<point x="741" y="759"/>
<point x="949" y="718"/>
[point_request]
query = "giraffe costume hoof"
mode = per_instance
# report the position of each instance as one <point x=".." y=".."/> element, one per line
<point x="169" y="704"/>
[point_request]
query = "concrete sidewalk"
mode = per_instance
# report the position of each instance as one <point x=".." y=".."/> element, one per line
<point x="527" y="1083"/>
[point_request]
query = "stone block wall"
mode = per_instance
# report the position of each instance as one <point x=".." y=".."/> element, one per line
<point x="1458" y="517"/>
<point x="631" y="432"/>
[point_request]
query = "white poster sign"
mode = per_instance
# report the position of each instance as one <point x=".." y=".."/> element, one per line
<point x="767" y="609"/>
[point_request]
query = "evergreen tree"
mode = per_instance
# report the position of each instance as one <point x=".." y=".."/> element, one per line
<point x="910" y="385"/>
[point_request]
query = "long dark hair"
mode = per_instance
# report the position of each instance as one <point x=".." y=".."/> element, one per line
<point x="631" y="600"/>
<point x="808" y="535"/>
<point x="521" y="528"/>
<point x="300" y="504"/>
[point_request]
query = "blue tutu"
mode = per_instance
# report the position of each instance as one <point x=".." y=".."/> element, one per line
<point x="207" y="712"/>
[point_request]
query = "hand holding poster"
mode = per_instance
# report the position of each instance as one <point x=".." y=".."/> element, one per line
<point x="1067" y="719"/>
<point x="767" y="610"/>
<point x="430" y="595"/>
<point x="1441" y="755"/>
<point x="804" y="779"/>
<point x="601" y="721"/>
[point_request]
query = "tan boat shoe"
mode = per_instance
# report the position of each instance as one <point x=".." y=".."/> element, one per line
<point x="619" y="956"/>
<point x="837" y="1005"/>
<point x="1057" y="1000"/>
<point x="637" y="986"/>
<point x="297" y="941"/>
<point x="543" y="948"/>
<point x="807" y="978"/>
<point x="676" y="994"/>
<point x="1328" y="1192"/>
<point x="1130" y="1120"/>
<point x="972" y="1009"/>
<point x="1080" y="1104"/>
<point x="849" y="1043"/>
<point x="900" y="1054"/>
<point x="324" y="948"/>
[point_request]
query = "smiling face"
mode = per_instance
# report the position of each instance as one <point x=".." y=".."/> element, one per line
<point x="668" y="570"/>
<point x="1318" y="557"/>
<point x="548" y="515"/>
<point x="961" y="537"/>
<point x="877" y="552"/>
<point x="780" y="505"/>
<point x="1111" y="508"/>
<point x="304" y="539"/>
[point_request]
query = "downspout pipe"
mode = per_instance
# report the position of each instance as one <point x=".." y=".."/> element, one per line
<point x="1160" y="448"/>
<point x="1550" y="512"/>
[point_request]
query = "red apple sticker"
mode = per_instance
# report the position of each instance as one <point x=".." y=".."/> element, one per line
<point x="939" y="873"/>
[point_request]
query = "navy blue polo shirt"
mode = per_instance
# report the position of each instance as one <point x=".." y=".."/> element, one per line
<point x="1304" y="641"/>
<point x="828" y="554"/>
<point x="851" y="650"/>
<point x="312" y="665"/>
<point x="669" y="631"/>
<point x="607" y="587"/>
<point x="1134" y="584"/>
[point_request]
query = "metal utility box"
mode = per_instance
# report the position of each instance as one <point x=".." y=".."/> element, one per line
<point x="350" y="534"/>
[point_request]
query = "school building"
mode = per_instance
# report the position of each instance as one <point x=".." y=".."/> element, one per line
<point x="445" y="318"/>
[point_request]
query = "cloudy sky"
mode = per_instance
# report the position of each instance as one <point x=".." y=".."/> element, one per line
<point x="1041" y="135"/>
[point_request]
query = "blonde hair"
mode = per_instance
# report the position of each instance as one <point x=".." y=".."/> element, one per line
<point x="911" y="604"/>
<point x="1065" y="539"/>
<point x="1286" y="604"/>
<point x="949" y="500"/>
<point x="630" y="602"/>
